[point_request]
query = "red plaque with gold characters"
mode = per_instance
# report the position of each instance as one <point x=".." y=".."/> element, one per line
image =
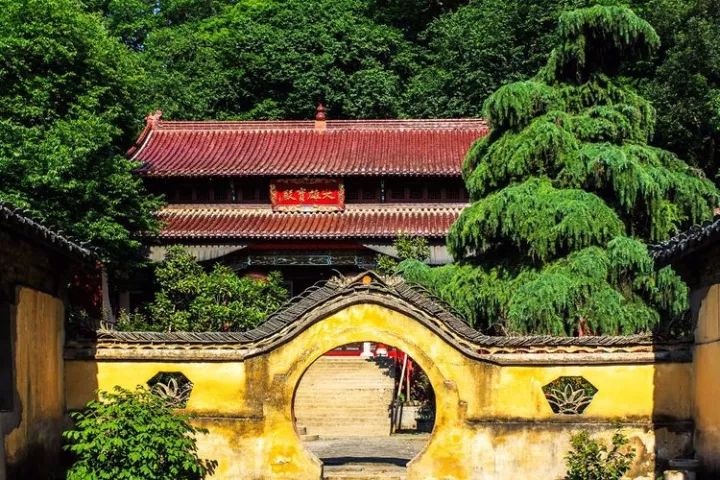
<point x="307" y="194"/>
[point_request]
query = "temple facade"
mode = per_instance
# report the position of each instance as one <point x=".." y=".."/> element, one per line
<point x="307" y="198"/>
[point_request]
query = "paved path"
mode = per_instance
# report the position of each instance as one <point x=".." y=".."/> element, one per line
<point x="388" y="450"/>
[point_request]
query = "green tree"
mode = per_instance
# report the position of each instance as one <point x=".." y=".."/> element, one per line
<point x="478" y="47"/>
<point x="591" y="460"/>
<point x="565" y="192"/>
<point x="411" y="16"/>
<point x="408" y="247"/>
<point x="683" y="80"/>
<point x="134" y="20"/>
<point x="65" y="106"/>
<point x="276" y="59"/>
<point x="192" y="299"/>
<point x="133" y="435"/>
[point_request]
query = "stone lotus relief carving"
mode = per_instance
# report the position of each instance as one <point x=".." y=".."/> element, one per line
<point x="173" y="387"/>
<point x="569" y="395"/>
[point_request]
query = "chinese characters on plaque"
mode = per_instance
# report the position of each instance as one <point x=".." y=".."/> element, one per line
<point x="307" y="194"/>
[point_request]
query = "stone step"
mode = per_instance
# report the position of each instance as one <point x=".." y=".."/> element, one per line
<point x="352" y="368"/>
<point x="318" y="426"/>
<point x="347" y="374"/>
<point x="345" y="383"/>
<point x="357" y="396"/>
<point x="369" y="422"/>
<point x="344" y="397"/>
<point x="330" y="410"/>
<point x="319" y="406"/>
<point x="348" y="361"/>
<point x="373" y="471"/>
<point x="321" y="412"/>
<point x="370" y="380"/>
<point x="350" y="375"/>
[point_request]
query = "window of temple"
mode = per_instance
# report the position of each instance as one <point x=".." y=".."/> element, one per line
<point x="352" y="195"/>
<point x="169" y="192"/>
<point x="221" y="193"/>
<point x="434" y="193"/>
<point x="256" y="191"/>
<point x="185" y="194"/>
<point x="397" y="193"/>
<point x="263" y="194"/>
<point x="202" y="194"/>
<point x="453" y="194"/>
<point x="247" y="194"/>
<point x="370" y="193"/>
<point x="362" y="191"/>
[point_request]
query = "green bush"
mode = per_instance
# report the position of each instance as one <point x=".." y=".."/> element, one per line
<point x="133" y="435"/>
<point x="408" y="248"/>
<point x="192" y="299"/>
<point x="590" y="460"/>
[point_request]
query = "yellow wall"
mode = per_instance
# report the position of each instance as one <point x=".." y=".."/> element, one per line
<point x="491" y="421"/>
<point x="707" y="381"/>
<point x="38" y="379"/>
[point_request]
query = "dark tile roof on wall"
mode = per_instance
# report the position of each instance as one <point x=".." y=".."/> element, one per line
<point x="298" y="148"/>
<point x="16" y="221"/>
<point x="326" y="298"/>
<point x="261" y="222"/>
<point x="684" y="243"/>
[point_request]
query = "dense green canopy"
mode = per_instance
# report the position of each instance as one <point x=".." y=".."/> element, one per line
<point x="79" y="76"/>
<point x="566" y="191"/>
<point x="191" y="299"/>
<point x="66" y="105"/>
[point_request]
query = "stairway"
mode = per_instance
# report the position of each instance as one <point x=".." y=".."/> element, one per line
<point x="344" y="397"/>
<point x="365" y="472"/>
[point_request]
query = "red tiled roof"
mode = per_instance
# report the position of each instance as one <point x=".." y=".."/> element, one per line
<point x="261" y="222"/>
<point x="297" y="148"/>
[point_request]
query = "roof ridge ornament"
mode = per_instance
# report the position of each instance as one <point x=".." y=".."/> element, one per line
<point x="151" y="122"/>
<point x="320" y="117"/>
<point x="153" y="118"/>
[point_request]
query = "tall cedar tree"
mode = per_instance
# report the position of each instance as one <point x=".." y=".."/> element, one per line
<point x="566" y="191"/>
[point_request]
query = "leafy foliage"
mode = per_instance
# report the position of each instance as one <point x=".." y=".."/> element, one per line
<point x="408" y="248"/>
<point x="565" y="191"/>
<point x="76" y="86"/>
<point x="133" y="435"/>
<point x="473" y="50"/>
<point x="192" y="299"/>
<point x="683" y="80"/>
<point x="276" y="59"/>
<point x="590" y="460"/>
<point x="66" y="104"/>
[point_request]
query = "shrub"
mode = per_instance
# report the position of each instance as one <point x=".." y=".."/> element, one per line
<point x="133" y="435"/>
<point x="408" y="248"/>
<point x="590" y="460"/>
<point x="192" y="299"/>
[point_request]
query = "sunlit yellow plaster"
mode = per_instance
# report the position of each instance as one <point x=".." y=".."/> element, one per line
<point x="219" y="388"/>
<point x="491" y="422"/>
<point x="707" y="380"/>
<point x="37" y="353"/>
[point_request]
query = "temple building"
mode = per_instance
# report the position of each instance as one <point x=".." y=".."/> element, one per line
<point x="307" y="198"/>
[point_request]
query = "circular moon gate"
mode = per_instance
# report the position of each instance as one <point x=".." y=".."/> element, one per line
<point x="358" y="405"/>
<point x="374" y="323"/>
